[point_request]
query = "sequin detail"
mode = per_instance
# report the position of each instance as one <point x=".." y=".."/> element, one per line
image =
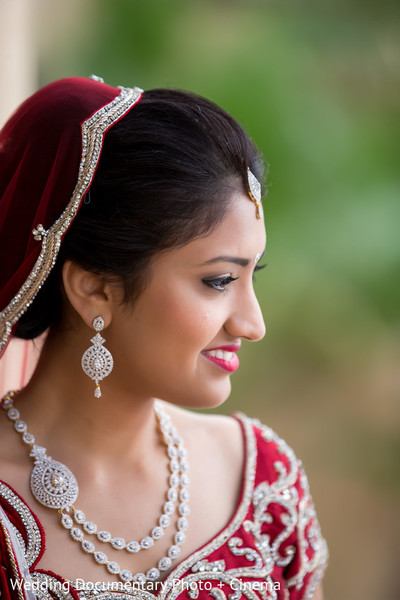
<point x="32" y="547"/>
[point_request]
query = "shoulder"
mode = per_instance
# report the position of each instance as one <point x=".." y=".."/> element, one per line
<point x="281" y="515"/>
<point x="284" y="510"/>
<point x="276" y="462"/>
<point x="239" y="438"/>
<point x="279" y="476"/>
<point x="211" y="432"/>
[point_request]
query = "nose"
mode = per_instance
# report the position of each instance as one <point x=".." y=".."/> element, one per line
<point x="246" y="320"/>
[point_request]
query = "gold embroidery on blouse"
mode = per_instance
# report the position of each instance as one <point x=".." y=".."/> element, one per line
<point x="257" y="562"/>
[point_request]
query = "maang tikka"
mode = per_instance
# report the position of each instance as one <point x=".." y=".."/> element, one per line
<point x="254" y="190"/>
<point x="97" y="362"/>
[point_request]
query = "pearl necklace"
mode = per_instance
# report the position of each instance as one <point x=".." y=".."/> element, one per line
<point x="55" y="486"/>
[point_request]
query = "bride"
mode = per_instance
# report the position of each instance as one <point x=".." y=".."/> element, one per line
<point x="131" y="227"/>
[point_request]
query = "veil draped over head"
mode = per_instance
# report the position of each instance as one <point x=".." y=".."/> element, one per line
<point x="49" y="151"/>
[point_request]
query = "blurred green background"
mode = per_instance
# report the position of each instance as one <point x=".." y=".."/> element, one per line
<point x="316" y="84"/>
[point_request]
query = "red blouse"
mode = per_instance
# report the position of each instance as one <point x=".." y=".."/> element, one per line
<point x="271" y="548"/>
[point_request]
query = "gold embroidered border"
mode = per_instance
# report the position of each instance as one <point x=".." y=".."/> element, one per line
<point x="33" y="543"/>
<point x="11" y="557"/>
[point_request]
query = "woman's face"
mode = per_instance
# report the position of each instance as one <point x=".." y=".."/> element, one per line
<point x="179" y="340"/>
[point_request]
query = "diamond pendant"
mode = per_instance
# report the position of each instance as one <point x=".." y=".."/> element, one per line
<point x="52" y="483"/>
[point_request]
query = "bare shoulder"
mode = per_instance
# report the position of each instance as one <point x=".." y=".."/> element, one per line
<point x="216" y="457"/>
<point x="210" y="432"/>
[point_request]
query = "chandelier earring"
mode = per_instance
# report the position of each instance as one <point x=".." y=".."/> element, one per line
<point x="97" y="362"/>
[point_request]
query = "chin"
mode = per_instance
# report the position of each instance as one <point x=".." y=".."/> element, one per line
<point x="212" y="397"/>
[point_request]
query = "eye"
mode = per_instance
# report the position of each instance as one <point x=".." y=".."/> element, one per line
<point x="219" y="283"/>
<point x="257" y="268"/>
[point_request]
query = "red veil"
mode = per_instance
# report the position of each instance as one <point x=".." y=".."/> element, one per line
<point x="49" y="151"/>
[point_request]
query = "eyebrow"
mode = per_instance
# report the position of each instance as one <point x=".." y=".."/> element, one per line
<point x="243" y="262"/>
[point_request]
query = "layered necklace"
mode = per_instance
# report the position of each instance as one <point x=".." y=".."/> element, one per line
<point x="55" y="486"/>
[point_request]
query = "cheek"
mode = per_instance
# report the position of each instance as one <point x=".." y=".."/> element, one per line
<point x="184" y="322"/>
<point x="189" y="326"/>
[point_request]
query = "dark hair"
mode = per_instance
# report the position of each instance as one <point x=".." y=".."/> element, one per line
<point x="165" y="177"/>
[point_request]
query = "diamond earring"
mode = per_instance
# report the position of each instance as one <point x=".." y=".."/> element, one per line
<point x="97" y="362"/>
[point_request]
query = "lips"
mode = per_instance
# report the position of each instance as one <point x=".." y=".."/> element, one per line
<point x="224" y="357"/>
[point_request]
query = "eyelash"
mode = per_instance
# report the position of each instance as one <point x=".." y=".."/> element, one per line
<point x="219" y="284"/>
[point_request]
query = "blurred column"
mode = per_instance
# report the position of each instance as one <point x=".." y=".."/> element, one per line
<point x="18" y="79"/>
<point x="18" y="53"/>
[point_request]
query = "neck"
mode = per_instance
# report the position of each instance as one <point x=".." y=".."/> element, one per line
<point x="62" y="412"/>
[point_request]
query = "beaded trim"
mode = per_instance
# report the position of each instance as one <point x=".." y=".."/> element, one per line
<point x="93" y="130"/>
<point x="12" y="559"/>
<point x="34" y="545"/>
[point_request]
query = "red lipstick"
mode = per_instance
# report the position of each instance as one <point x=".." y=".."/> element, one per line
<point x="224" y="357"/>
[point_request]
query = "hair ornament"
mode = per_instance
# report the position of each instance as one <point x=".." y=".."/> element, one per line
<point x="254" y="190"/>
<point x="96" y="78"/>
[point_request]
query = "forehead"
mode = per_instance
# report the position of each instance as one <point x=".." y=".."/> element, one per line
<point x="239" y="234"/>
<point x="240" y="231"/>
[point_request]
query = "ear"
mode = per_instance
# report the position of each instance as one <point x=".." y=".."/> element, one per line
<point x="87" y="293"/>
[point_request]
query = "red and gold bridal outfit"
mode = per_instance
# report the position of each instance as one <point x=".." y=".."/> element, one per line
<point x="271" y="548"/>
